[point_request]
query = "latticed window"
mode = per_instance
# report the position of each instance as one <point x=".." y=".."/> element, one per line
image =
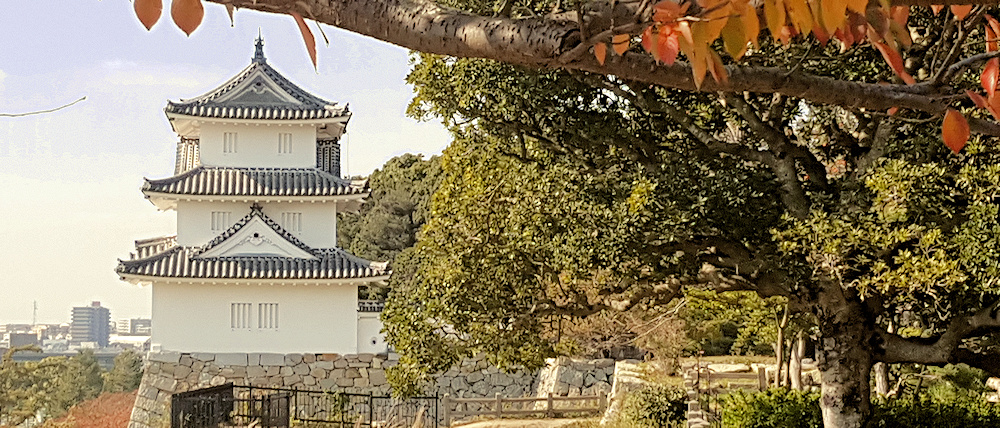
<point x="284" y="142"/>
<point x="220" y="220"/>
<point x="239" y="315"/>
<point x="267" y="316"/>
<point x="292" y="222"/>
<point x="328" y="156"/>
<point x="188" y="155"/>
<point x="229" y="142"/>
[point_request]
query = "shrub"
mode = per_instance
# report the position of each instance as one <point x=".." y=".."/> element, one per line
<point x="655" y="406"/>
<point x="930" y="414"/>
<point x="774" y="408"/>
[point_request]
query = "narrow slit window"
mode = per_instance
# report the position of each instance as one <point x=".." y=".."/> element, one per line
<point x="229" y="142"/>
<point x="292" y="222"/>
<point x="284" y="143"/>
<point x="239" y="315"/>
<point x="267" y="316"/>
<point x="220" y="220"/>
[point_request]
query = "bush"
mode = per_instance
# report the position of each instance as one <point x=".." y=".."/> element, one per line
<point x="779" y="408"/>
<point x="655" y="406"/>
<point x="774" y="408"/>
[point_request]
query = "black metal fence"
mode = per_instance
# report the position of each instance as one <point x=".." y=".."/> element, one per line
<point x="284" y="407"/>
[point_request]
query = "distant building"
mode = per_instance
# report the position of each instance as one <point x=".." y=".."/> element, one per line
<point x="133" y="326"/>
<point x="90" y="324"/>
<point x="24" y="339"/>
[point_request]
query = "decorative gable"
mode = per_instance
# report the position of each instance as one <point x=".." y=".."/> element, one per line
<point x="256" y="235"/>
<point x="258" y="90"/>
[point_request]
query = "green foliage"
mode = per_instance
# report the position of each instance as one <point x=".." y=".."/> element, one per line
<point x="774" y="408"/>
<point x="739" y="323"/>
<point x="654" y="406"/>
<point x="935" y="414"/>
<point x="48" y="387"/>
<point x="126" y="374"/>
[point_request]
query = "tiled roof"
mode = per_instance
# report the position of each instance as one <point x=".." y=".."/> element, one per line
<point x="257" y="99"/>
<point x="181" y="262"/>
<point x="227" y="181"/>
<point x="185" y="262"/>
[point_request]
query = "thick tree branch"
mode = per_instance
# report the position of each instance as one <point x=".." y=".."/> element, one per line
<point x="945" y="348"/>
<point x="541" y="42"/>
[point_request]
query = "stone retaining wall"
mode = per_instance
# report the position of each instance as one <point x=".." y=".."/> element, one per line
<point x="166" y="373"/>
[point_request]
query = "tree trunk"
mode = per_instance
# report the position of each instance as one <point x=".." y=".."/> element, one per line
<point x="779" y="348"/>
<point x="795" y="361"/>
<point x="844" y="358"/>
<point x="881" y="379"/>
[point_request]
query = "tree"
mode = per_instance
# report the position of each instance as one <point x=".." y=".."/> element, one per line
<point x="126" y="374"/>
<point x="571" y="193"/>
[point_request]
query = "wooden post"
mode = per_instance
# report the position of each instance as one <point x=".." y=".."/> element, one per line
<point x="602" y="401"/>
<point x="762" y="377"/>
<point x="499" y="406"/>
<point x="548" y="407"/>
<point x="447" y="409"/>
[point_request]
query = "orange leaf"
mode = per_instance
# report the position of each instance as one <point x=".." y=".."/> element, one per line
<point x="892" y="111"/>
<point x="955" y="130"/>
<point x="620" y="43"/>
<point x="858" y="6"/>
<point x="961" y="10"/>
<point x="698" y="57"/>
<point x="187" y="14"/>
<point x="667" y="45"/>
<point x="937" y="8"/>
<point x="989" y="76"/>
<point x="895" y="61"/>
<point x="716" y="68"/>
<point x="667" y="11"/>
<point x="832" y="13"/>
<point x="307" y="37"/>
<point x="774" y="13"/>
<point x="977" y="99"/>
<point x="230" y="9"/>
<point x="991" y="37"/>
<point x="993" y="24"/>
<point x="993" y="106"/>
<point x="800" y="15"/>
<point x="601" y="52"/>
<point x="148" y="12"/>
<point x="647" y="39"/>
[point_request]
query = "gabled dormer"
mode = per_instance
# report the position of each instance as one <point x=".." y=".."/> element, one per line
<point x="256" y="235"/>
<point x="258" y="119"/>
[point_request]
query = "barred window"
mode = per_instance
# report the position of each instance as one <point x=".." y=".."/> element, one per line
<point x="220" y="220"/>
<point x="239" y="315"/>
<point x="267" y="316"/>
<point x="285" y="142"/>
<point x="229" y="142"/>
<point x="292" y="222"/>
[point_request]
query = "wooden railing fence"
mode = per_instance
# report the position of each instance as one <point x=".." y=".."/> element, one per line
<point x="499" y="406"/>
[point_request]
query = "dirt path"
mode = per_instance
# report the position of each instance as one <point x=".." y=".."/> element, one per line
<point x="519" y="423"/>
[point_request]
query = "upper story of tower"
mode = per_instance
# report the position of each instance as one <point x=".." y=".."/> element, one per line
<point x="258" y="119"/>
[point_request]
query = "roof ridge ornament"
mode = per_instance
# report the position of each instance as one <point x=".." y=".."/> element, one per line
<point x="258" y="55"/>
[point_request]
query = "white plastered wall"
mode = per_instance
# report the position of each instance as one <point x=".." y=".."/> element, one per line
<point x="319" y="220"/>
<point x="370" y="337"/>
<point x="257" y="146"/>
<point x="311" y="319"/>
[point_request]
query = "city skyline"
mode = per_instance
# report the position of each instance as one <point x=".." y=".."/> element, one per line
<point x="71" y="201"/>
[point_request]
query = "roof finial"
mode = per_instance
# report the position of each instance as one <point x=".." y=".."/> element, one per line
<point x="258" y="55"/>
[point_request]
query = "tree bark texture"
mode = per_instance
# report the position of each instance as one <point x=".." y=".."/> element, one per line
<point x="556" y="42"/>
<point x="845" y="358"/>
<point x="795" y="361"/>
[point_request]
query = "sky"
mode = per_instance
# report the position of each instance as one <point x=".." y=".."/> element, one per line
<point x="70" y="200"/>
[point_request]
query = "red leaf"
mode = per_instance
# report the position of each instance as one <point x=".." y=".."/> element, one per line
<point x="955" y="130"/>
<point x="668" y="46"/>
<point x="993" y="24"/>
<point x="977" y="99"/>
<point x="148" y="12"/>
<point x="187" y="14"/>
<point x="991" y="39"/>
<point x="961" y="10"/>
<point x="620" y="43"/>
<point x="307" y="36"/>
<point x="895" y="61"/>
<point x="937" y="8"/>
<point x="989" y="76"/>
<point x="601" y="52"/>
<point x="892" y="111"/>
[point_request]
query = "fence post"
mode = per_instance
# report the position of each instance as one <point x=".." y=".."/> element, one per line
<point x="762" y="377"/>
<point x="548" y="406"/>
<point x="602" y="401"/>
<point x="371" y="409"/>
<point x="447" y="409"/>
<point x="499" y="406"/>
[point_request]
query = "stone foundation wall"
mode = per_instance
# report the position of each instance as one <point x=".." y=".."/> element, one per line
<point x="166" y="373"/>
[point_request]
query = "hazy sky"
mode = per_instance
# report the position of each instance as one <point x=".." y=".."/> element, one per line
<point x="69" y="181"/>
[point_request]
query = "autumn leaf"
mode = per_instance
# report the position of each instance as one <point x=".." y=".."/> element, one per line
<point x="601" y="52"/>
<point x="989" y="76"/>
<point x="961" y="10"/>
<point x="937" y="8"/>
<point x="307" y="36"/>
<point x="774" y="12"/>
<point x="992" y="32"/>
<point x="955" y="130"/>
<point x="620" y="43"/>
<point x="895" y="61"/>
<point x="187" y="14"/>
<point x="230" y="9"/>
<point x="148" y="12"/>
<point x="977" y="99"/>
